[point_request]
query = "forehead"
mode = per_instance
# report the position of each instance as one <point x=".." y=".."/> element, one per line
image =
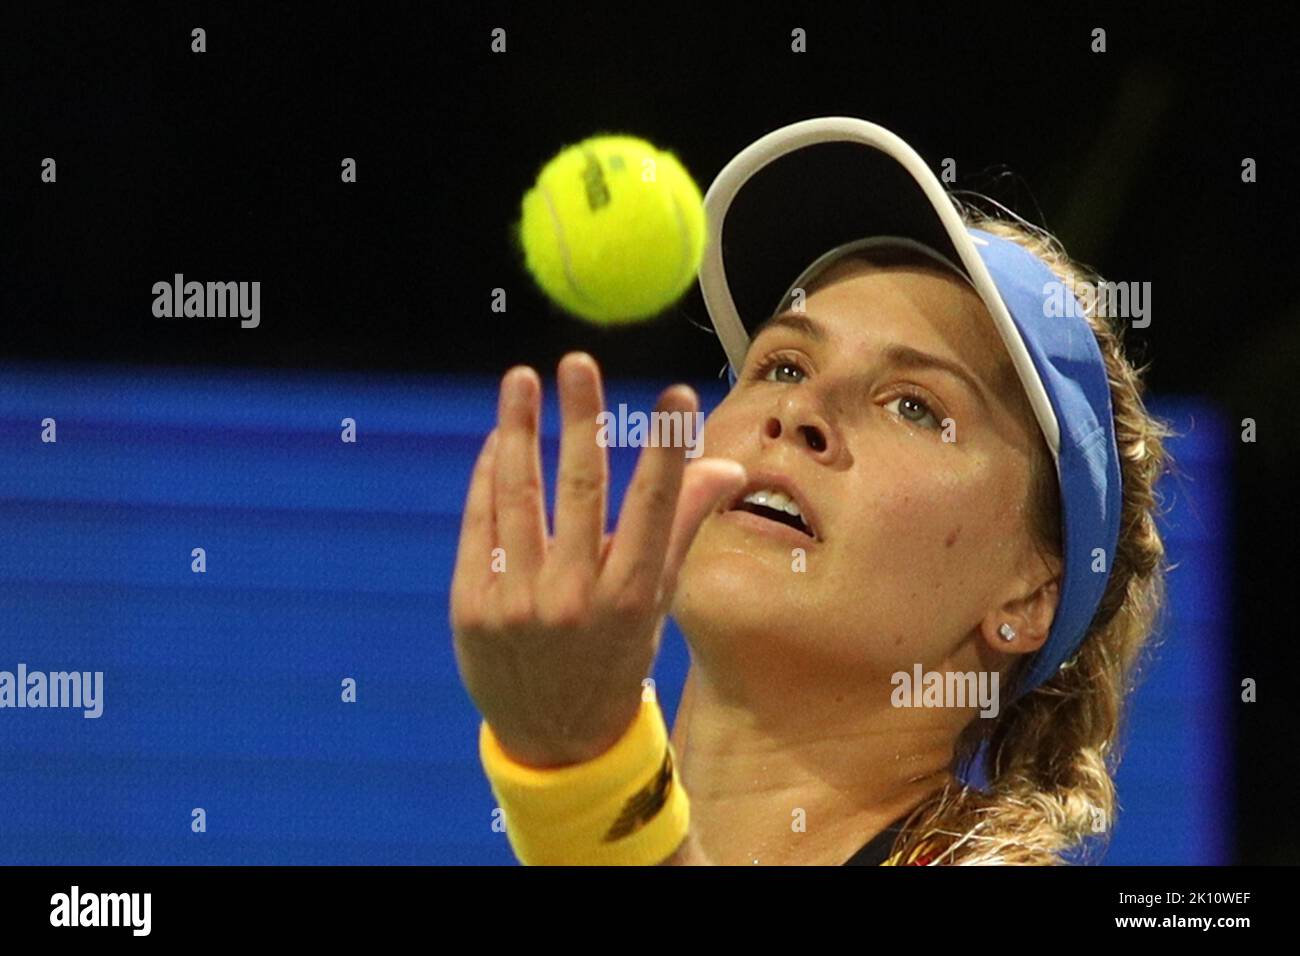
<point x="897" y="295"/>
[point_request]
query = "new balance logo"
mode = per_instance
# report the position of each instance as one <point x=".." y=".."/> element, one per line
<point x="647" y="802"/>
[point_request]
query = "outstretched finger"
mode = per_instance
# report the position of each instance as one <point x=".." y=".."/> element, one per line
<point x="708" y="484"/>
<point x="636" y="557"/>
<point x="520" y="508"/>
<point x="472" y="573"/>
<point x="583" y="472"/>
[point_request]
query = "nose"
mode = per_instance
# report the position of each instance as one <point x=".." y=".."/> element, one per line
<point x="796" y="418"/>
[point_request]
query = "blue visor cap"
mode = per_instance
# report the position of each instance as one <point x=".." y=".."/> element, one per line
<point x="1069" y="364"/>
<point x="869" y="190"/>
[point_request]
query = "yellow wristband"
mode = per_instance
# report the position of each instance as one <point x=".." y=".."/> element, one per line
<point x="624" y="807"/>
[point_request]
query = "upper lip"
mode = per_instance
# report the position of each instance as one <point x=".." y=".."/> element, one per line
<point x="775" y="481"/>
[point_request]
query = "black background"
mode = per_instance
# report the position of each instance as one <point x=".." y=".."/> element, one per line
<point x="225" y="166"/>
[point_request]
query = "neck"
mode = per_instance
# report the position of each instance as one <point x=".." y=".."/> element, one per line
<point x="802" y="772"/>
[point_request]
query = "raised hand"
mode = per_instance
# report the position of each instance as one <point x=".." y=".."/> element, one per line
<point x="553" y="643"/>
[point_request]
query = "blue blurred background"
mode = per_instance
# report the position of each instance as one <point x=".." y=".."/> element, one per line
<point x="328" y="560"/>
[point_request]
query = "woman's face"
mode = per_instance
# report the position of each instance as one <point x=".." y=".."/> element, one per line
<point x="915" y="481"/>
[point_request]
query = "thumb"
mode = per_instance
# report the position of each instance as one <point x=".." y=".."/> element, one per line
<point x="706" y="485"/>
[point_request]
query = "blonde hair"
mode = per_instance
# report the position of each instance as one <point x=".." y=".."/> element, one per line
<point x="1051" y="755"/>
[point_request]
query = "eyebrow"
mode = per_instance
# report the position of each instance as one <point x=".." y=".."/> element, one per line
<point x="897" y="354"/>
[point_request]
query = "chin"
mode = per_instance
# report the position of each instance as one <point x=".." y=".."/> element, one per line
<point x="726" y="589"/>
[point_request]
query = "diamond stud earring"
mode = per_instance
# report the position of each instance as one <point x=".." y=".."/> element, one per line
<point x="1008" y="632"/>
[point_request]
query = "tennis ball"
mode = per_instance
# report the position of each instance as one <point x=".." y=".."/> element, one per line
<point x="613" y="230"/>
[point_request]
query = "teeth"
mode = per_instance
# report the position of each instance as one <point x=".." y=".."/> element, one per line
<point x="776" y="500"/>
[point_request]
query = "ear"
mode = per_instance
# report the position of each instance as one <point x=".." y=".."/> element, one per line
<point x="1028" y="614"/>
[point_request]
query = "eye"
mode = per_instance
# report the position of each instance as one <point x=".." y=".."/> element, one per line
<point x="914" y="408"/>
<point x="780" y="367"/>
<point x="785" y="367"/>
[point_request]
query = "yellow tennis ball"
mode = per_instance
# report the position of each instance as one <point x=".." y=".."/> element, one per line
<point x="613" y="230"/>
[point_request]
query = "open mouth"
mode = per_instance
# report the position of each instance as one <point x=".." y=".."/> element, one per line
<point x="775" y="506"/>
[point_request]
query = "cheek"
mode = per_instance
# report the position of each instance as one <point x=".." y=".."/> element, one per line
<point x="722" y="432"/>
<point x="937" y="521"/>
